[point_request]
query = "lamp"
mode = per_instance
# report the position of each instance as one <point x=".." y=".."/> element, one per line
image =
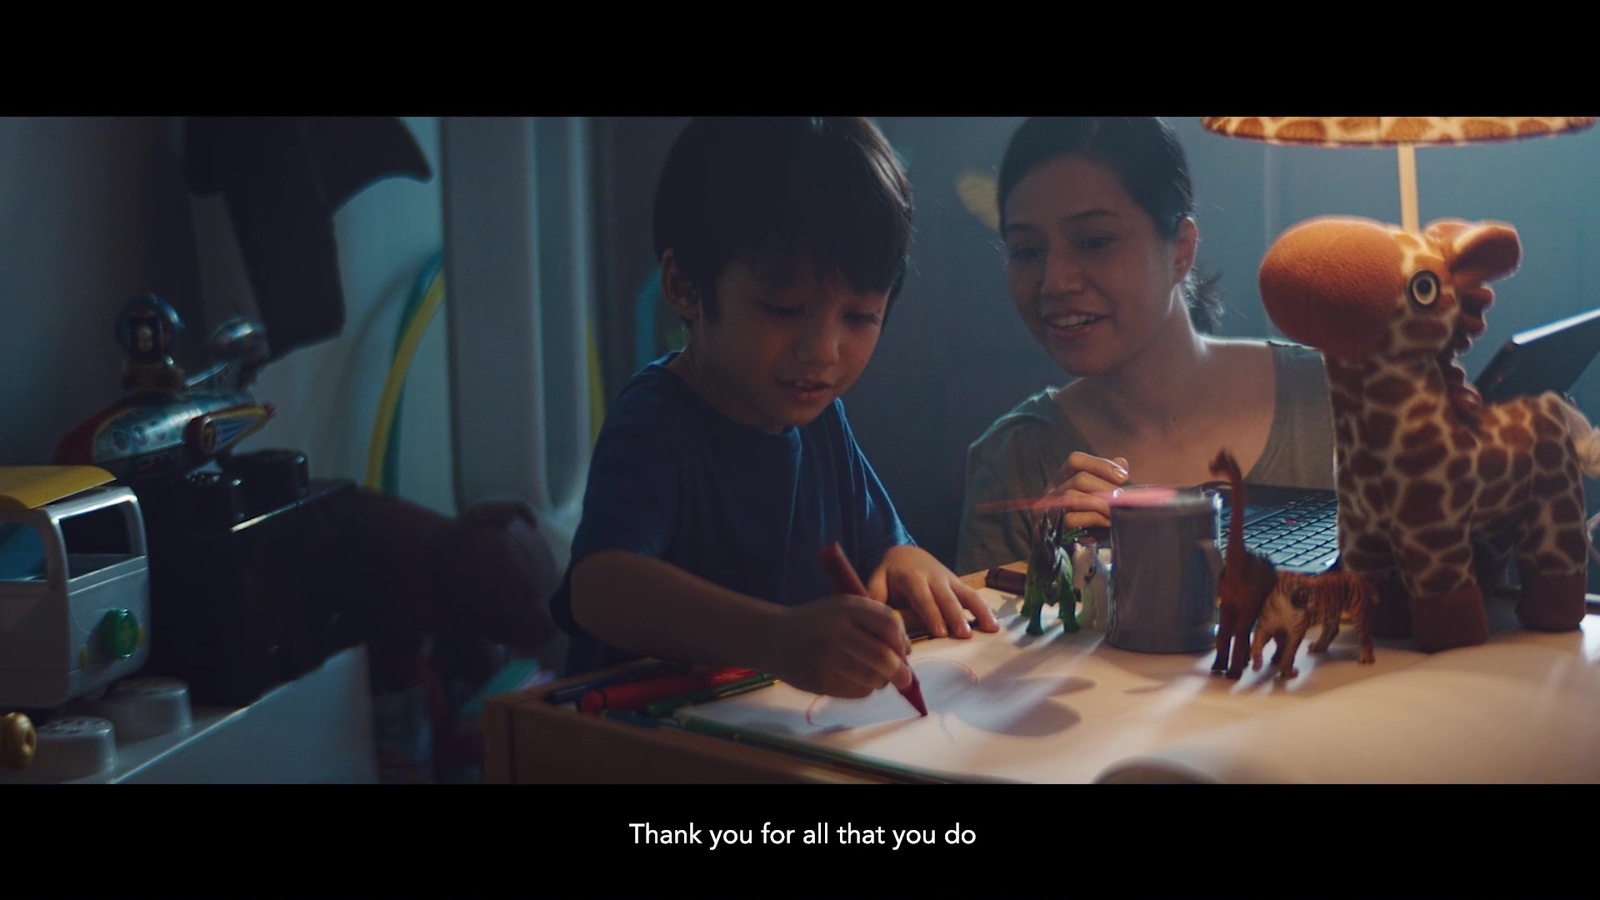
<point x="1401" y="132"/>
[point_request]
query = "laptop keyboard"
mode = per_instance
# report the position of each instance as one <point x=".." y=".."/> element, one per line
<point x="1300" y="534"/>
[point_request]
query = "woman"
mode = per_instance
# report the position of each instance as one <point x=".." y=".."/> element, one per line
<point x="1097" y="215"/>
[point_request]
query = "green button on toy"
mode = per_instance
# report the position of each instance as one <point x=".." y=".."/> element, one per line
<point x="119" y="633"/>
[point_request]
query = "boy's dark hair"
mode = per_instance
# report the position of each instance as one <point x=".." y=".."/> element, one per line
<point x="777" y="189"/>
<point x="1144" y="153"/>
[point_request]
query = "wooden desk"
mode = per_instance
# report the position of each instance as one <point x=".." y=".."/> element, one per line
<point x="1138" y="702"/>
<point x="529" y="740"/>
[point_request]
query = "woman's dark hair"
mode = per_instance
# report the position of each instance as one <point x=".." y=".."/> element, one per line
<point x="1144" y="153"/>
<point x="774" y="190"/>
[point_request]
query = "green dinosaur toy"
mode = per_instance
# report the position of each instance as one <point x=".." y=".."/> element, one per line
<point x="1050" y="579"/>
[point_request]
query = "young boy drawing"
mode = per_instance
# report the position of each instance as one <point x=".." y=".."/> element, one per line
<point x="723" y="470"/>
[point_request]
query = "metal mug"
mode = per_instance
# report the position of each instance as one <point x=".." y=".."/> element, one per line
<point x="1164" y="566"/>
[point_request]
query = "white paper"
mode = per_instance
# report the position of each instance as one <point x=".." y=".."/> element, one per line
<point x="1067" y="708"/>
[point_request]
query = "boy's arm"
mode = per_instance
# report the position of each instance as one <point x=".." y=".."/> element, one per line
<point x="838" y="645"/>
<point x="905" y="571"/>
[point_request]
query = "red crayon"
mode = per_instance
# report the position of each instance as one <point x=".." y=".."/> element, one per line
<point x="845" y="581"/>
<point x="1008" y="580"/>
<point x="638" y="694"/>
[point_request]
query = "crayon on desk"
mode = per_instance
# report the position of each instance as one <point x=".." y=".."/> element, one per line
<point x="846" y="581"/>
<point x="732" y="688"/>
<point x="1008" y="580"/>
<point x="916" y="629"/>
<point x="650" y="670"/>
<point x="636" y="694"/>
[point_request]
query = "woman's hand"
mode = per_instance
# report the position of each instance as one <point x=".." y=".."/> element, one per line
<point x="934" y="593"/>
<point x="1083" y="488"/>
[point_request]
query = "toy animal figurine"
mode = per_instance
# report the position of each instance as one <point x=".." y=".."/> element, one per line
<point x="1301" y="602"/>
<point x="1090" y="579"/>
<point x="1436" y="489"/>
<point x="1246" y="579"/>
<point x="1050" y="581"/>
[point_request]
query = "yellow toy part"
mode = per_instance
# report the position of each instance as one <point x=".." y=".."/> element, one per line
<point x="18" y="740"/>
<point x="30" y="487"/>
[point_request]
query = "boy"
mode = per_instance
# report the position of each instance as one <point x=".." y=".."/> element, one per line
<point x="723" y="470"/>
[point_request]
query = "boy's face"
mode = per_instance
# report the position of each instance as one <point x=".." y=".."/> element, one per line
<point x="782" y="345"/>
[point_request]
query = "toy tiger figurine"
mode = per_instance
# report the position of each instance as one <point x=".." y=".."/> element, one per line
<point x="1299" y="602"/>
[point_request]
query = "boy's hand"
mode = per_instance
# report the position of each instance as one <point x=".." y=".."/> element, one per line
<point x="1081" y="486"/>
<point x="842" y="646"/>
<point x="934" y="593"/>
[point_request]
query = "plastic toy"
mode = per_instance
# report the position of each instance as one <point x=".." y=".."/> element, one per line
<point x="167" y="425"/>
<point x="18" y="741"/>
<point x="1245" y="581"/>
<point x="74" y="577"/>
<point x="1437" y="490"/>
<point x="1090" y="578"/>
<point x="282" y="179"/>
<point x="1050" y="574"/>
<point x="1299" y="603"/>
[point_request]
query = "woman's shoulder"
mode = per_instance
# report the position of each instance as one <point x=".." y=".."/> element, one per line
<point x="1279" y="347"/>
<point x="1301" y="375"/>
<point x="1295" y="354"/>
<point x="1298" y="364"/>
<point x="1033" y="430"/>
<point x="1299" y="448"/>
<point x="1037" y="412"/>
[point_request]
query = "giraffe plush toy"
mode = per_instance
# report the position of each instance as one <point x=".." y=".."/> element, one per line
<point x="1437" y="490"/>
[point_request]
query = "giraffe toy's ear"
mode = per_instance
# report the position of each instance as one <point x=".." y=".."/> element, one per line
<point x="1443" y="232"/>
<point x="1481" y="252"/>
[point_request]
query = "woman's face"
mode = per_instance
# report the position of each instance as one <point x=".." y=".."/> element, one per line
<point x="1090" y="276"/>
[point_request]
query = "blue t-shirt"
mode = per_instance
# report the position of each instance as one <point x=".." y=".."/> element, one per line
<point x="674" y="479"/>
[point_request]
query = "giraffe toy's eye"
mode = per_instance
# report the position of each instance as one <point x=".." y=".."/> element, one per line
<point x="1423" y="289"/>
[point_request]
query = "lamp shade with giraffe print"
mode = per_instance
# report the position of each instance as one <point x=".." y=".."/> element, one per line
<point x="1403" y="133"/>
<point x="1384" y="131"/>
